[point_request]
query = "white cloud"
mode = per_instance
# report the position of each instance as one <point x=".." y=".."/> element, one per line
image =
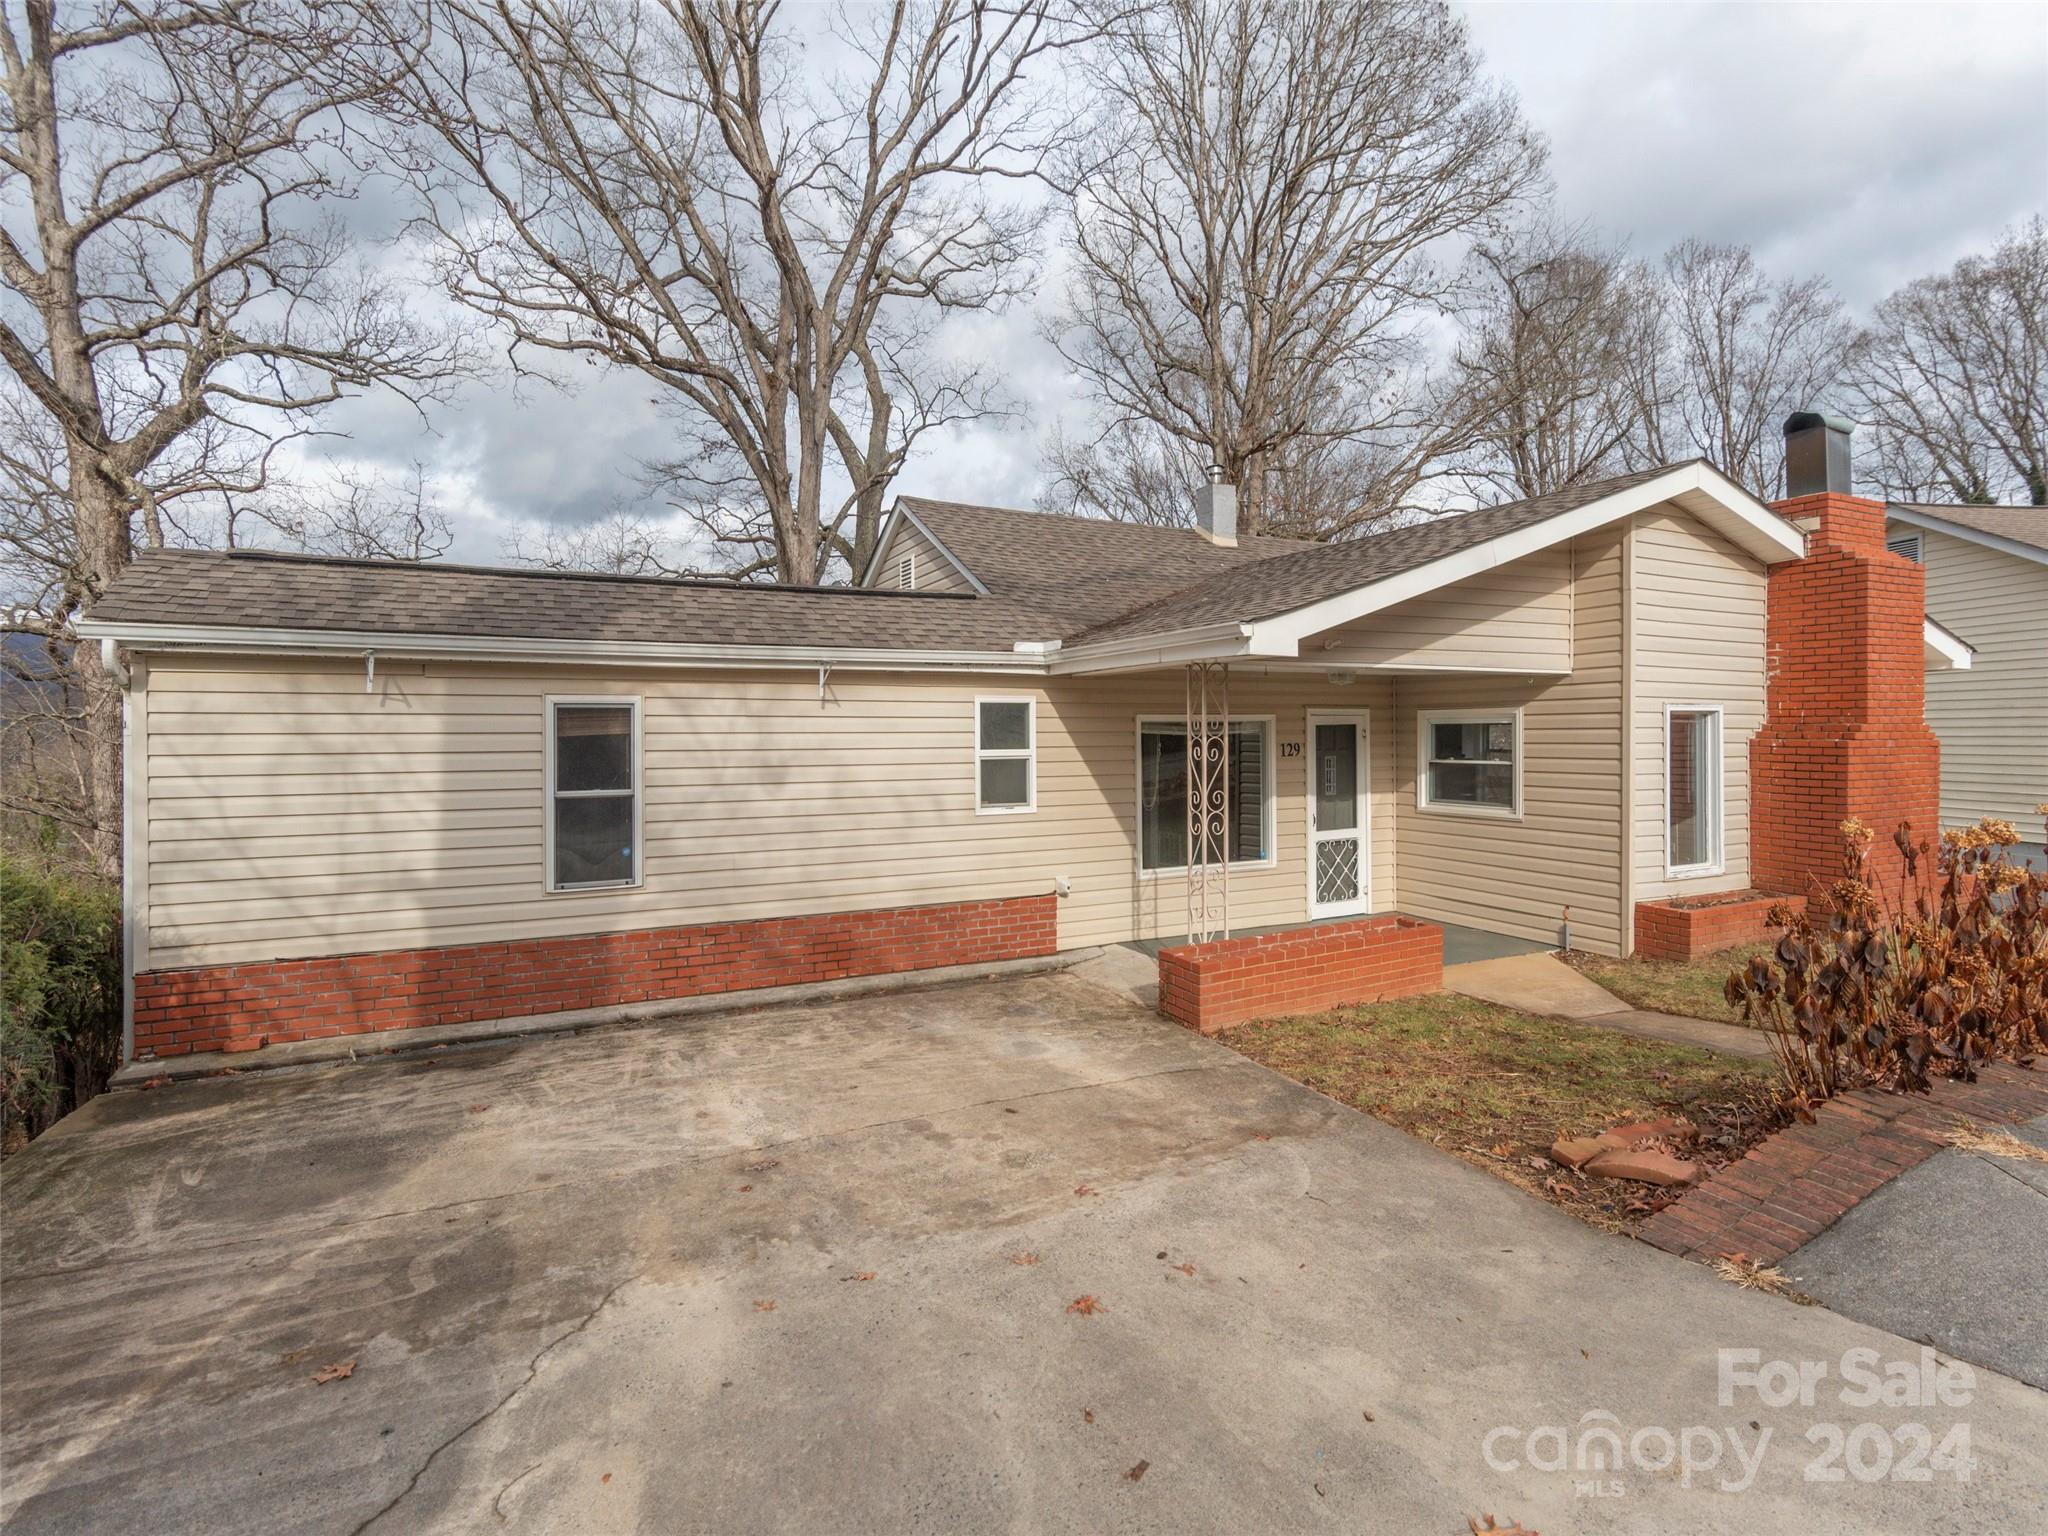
<point x="1870" y="143"/>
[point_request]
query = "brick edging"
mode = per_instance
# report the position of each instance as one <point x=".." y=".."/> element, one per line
<point x="1798" y="1182"/>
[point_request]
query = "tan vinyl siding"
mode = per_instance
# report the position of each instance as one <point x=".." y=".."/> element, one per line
<point x="1517" y="876"/>
<point x="290" y="813"/>
<point x="1514" y="616"/>
<point x="1991" y="719"/>
<point x="1697" y="619"/>
<point x="935" y="573"/>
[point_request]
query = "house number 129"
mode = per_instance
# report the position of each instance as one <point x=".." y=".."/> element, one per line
<point x="1290" y="749"/>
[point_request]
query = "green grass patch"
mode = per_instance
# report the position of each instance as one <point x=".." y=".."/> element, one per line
<point x="1688" y="987"/>
<point x="1496" y="1087"/>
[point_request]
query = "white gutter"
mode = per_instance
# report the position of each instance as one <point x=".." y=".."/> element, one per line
<point x="625" y="653"/>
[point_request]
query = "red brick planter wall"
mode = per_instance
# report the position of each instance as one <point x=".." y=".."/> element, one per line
<point x="1679" y="930"/>
<point x="1304" y="970"/>
<point x="240" y="1007"/>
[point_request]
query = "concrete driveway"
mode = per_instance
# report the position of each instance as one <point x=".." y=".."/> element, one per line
<point x="1954" y="1251"/>
<point x="812" y="1270"/>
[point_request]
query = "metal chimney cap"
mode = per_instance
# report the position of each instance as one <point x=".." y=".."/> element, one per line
<point x="1215" y="473"/>
<point x="1801" y="421"/>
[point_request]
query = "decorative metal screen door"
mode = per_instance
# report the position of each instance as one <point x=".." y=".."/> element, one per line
<point x="1339" y="863"/>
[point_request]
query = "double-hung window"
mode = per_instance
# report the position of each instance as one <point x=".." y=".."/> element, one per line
<point x="1163" y="794"/>
<point x="1005" y="756"/>
<point x="1692" y="791"/>
<point x="593" y="793"/>
<point x="1471" y="763"/>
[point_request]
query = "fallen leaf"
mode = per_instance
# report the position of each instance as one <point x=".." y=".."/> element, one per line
<point x="1262" y="1135"/>
<point x="340" y="1371"/>
<point x="1138" y="1471"/>
<point x="866" y="1274"/>
<point x="477" y="1109"/>
<point x="1084" y="1189"/>
<point x="763" y="1166"/>
<point x="1186" y="1269"/>
<point x="1974" y="1138"/>
<point x="1368" y="1416"/>
<point x="746" y="1189"/>
<point x="606" y="1478"/>
<point x="294" y="1356"/>
<point x="764" y="1306"/>
<point x="1026" y="1259"/>
<point x="1514" y="1527"/>
<point x="1087" y="1415"/>
<point x="158" y="1082"/>
<point x="1087" y="1306"/>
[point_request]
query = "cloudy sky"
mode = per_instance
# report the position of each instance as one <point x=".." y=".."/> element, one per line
<point x="1872" y="143"/>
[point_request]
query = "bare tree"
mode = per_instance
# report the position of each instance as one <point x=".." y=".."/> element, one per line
<point x="1557" y="367"/>
<point x="653" y="186"/>
<point x="359" y="515"/>
<point x="1952" y="379"/>
<point x="1252" y="224"/>
<point x="177" y="299"/>
<point x="1745" y="353"/>
<point x="621" y="543"/>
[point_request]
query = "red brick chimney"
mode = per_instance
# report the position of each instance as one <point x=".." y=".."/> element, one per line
<point x="1845" y="730"/>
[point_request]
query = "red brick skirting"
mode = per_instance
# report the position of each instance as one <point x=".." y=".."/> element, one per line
<point x="1796" y="1184"/>
<point x="1686" y="928"/>
<point x="1303" y="970"/>
<point x="241" y="1007"/>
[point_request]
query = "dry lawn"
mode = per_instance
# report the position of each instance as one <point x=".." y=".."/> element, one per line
<point x="1496" y="1087"/>
<point x="1689" y="988"/>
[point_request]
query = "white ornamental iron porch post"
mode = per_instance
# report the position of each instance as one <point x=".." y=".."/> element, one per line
<point x="1208" y="800"/>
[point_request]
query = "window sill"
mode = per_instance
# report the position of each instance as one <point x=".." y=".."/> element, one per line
<point x="1696" y="872"/>
<point x="1005" y="810"/>
<point x="1469" y="812"/>
<point x="594" y="887"/>
<point x="1179" y="871"/>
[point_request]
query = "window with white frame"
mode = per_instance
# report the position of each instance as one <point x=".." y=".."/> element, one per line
<point x="1471" y="763"/>
<point x="593" y="793"/>
<point x="1163" y="793"/>
<point x="1692" y="790"/>
<point x="1005" y="755"/>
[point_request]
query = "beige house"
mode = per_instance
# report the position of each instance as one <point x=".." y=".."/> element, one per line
<point x="363" y="794"/>
<point x="1987" y="580"/>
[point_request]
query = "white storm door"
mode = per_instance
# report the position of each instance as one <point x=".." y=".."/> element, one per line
<point x="1339" y="849"/>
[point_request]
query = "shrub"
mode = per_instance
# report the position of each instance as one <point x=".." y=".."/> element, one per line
<point x="1939" y="975"/>
<point x="60" y="993"/>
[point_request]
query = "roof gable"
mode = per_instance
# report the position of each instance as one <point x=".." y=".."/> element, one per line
<point x="2017" y="531"/>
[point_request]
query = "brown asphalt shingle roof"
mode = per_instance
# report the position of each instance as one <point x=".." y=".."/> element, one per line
<point x="1049" y="577"/>
<point x="247" y="590"/>
<point x="2023" y="525"/>
<point x="1295" y="580"/>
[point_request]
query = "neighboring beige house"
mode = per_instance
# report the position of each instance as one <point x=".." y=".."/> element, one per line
<point x="1987" y="581"/>
<point x="365" y="794"/>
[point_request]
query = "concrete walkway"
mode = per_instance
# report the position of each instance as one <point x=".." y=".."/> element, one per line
<point x="1544" y="984"/>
